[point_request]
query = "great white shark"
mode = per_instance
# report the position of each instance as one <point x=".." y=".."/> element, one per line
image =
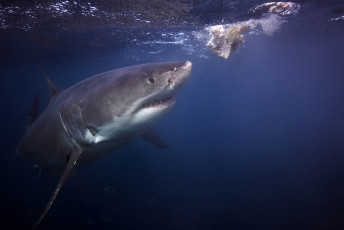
<point x="96" y="116"/>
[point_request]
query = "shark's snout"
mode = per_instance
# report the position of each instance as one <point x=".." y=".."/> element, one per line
<point x="187" y="65"/>
<point x="180" y="75"/>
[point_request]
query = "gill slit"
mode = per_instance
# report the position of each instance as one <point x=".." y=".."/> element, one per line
<point x="66" y="130"/>
<point x="83" y="122"/>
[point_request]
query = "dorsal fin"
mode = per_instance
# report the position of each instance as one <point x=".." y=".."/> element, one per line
<point x="33" y="114"/>
<point x="67" y="172"/>
<point x="53" y="89"/>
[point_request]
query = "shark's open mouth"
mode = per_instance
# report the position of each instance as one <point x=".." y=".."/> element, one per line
<point x="158" y="102"/>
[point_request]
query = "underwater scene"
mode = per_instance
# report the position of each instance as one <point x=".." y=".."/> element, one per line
<point x="166" y="115"/>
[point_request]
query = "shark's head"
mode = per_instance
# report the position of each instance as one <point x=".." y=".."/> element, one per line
<point x="152" y="88"/>
<point x="132" y="99"/>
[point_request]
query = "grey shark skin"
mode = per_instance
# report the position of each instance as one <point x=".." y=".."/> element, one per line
<point x="98" y="115"/>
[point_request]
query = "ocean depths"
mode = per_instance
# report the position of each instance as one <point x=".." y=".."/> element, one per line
<point x="256" y="140"/>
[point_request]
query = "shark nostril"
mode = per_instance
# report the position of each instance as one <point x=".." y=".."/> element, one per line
<point x="151" y="80"/>
<point x="169" y="80"/>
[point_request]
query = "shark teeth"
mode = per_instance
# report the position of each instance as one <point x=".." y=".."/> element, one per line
<point x="158" y="102"/>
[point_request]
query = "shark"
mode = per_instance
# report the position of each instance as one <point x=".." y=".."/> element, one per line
<point x="98" y="115"/>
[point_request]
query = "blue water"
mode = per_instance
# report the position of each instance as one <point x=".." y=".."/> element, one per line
<point x="256" y="141"/>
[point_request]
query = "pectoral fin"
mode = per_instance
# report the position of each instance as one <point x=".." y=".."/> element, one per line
<point x="67" y="172"/>
<point x="154" y="138"/>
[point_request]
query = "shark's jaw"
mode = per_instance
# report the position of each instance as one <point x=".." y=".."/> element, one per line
<point x="162" y="102"/>
<point x="156" y="103"/>
<point x="150" y="112"/>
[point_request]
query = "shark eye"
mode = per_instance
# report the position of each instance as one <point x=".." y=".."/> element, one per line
<point x="151" y="80"/>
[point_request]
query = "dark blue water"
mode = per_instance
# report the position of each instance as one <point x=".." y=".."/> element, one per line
<point x="256" y="141"/>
